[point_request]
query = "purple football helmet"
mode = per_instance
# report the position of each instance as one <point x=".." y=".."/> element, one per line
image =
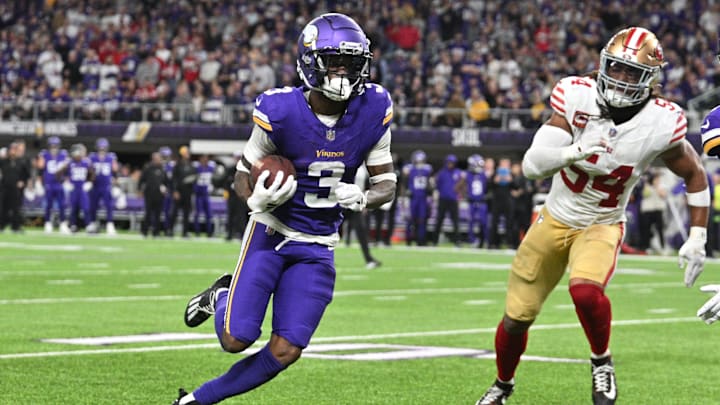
<point x="53" y="142"/>
<point x="328" y="42"/>
<point x="102" y="144"/>
<point x="475" y="162"/>
<point x="165" y="152"/>
<point x="418" y="157"/>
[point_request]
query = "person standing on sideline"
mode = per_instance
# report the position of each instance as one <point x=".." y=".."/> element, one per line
<point x="328" y="128"/>
<point x="204" y="169"/>
<point x="237" y="212"/>
<point x="51" y="162"/>
<point x="606" y="129"/>
<point x="476" y="194"/>
<point x="184" y="175"/>
<point x="168" y="166"/>
<point x="357" y="222"/>
<point x="450" y="183"/>
<point x="105" y="167"/>
<point x="80" y="172"/>
<point x="152" y="186"/>
<point x="14" y="176"/>
<point x="418" y="175"/>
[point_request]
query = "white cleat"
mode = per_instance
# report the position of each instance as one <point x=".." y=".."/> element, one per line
<point x="64" y="228"/>
<point x="110" y="228"/>
<point x="48" y="227"/>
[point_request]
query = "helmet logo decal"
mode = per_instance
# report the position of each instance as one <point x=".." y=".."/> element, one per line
<point x="659" y="54"/>
<point x="310" y="36"/>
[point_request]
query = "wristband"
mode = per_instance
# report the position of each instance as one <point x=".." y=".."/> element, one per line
<point x="698" y="233"/>
<point x="699" y="198"/>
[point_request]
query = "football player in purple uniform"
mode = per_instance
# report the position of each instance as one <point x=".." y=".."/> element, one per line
<point x="476" y="189"/>
<point x="80" y="173"/>
<point x="51" y="162"/>
<point x="105" y="166"/>
<point x="418" y="174"/>
<point x="328" y="128"/>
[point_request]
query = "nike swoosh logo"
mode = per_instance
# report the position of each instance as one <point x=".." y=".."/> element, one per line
<point x="612" y="393"/>
<point x="705" y="125"/>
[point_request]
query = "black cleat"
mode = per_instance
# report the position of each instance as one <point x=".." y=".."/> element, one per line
<point x="603" y="380"/>
<point x="202" y="306"/>
<point x="497" y="394"/>
<point x="182" y="393"/>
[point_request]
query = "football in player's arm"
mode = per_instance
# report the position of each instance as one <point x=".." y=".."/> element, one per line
<point x="605" y="131"/>
<point x="328" y="128"/>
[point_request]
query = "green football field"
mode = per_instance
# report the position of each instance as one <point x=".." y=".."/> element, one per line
<point x="97" y="320"/>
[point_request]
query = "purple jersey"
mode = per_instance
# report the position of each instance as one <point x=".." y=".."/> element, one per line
<point x="446" y="181"/>
<point x="476" y="186"/>
<point x="103" y="166"/>
<point x="203" y="184"/>
<point x="53" y="164"/>
<point x="78" y="171"/>
<point x="322" y="155"/>
<point x="418" y="179"/>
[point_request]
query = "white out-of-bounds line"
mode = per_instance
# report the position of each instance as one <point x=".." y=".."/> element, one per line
<point x="346" y="293"/>
<point x="330" y="339"/>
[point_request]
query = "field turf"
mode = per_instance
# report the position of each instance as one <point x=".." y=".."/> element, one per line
<point x="417" y="330"/>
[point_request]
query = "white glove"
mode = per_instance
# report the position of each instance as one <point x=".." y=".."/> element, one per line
<point x="350" y="196"/>
<point x="710" y="311"/>
<point x="87" y="186"/>
<point x="267" y="199"/>
<point x="692" y="254"/>
<point x="588" y="145"/>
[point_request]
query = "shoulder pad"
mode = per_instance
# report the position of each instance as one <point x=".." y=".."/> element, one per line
<point x="269" y="106"/>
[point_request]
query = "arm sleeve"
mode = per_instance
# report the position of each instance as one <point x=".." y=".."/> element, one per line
<point x="545" y="157"/>
<point x="258" y="145"/>
<point x="380" y="153"/>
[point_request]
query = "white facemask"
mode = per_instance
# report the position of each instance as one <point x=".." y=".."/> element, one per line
<point x="337" y="88"/>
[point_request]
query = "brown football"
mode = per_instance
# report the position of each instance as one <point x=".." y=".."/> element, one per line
<point x="273" y="163"/>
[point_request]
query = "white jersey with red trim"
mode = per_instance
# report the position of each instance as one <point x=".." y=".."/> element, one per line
<point x="597" y="190"/>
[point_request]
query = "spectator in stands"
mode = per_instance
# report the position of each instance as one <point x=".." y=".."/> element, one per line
<point x="451" y="186"/>
<point x="152" y="186"/>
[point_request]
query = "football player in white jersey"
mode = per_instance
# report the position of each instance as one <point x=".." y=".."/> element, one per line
<point x="605" y="131"/>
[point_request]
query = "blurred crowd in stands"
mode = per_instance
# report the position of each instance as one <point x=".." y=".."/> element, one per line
<point x="459" y="58"/>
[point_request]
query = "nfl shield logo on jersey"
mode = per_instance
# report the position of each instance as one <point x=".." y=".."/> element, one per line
<point x="330" y="134"/>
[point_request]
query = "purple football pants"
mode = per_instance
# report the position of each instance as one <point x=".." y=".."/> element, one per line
<point x="300" y="277"/>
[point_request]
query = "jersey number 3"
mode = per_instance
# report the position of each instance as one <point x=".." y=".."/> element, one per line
<point x="613" y="184"/>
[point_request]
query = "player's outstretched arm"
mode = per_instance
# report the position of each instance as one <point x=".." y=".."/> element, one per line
<point x="685" y="162"/>
<point x="553" y="148"/>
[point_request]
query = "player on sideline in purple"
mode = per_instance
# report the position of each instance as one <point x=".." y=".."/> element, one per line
<point x="52" y="162"/>
<point x="328" y="128"/>
<point x="105" y="167"/>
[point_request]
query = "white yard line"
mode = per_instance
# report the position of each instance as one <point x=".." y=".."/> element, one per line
<point x="574" y="325"/>
<point x="338" y="294"/>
